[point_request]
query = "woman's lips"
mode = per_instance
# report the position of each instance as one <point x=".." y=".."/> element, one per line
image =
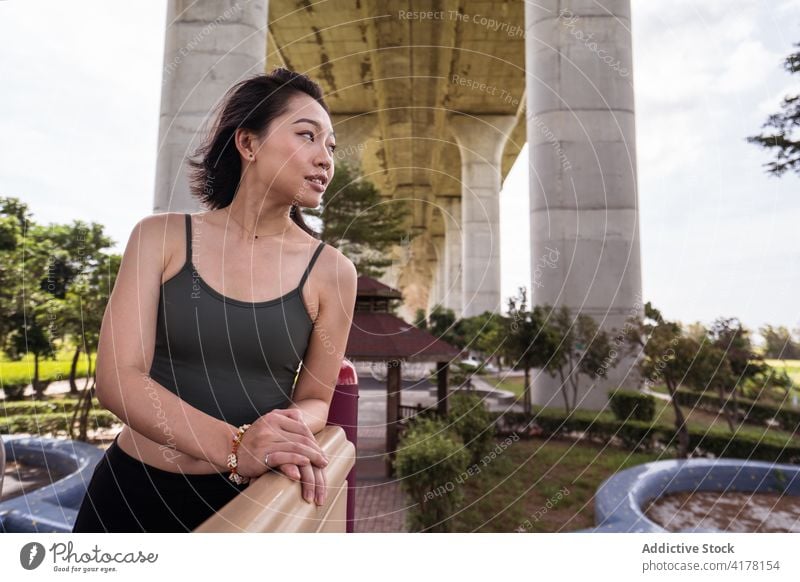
<point x="316" y="185"/>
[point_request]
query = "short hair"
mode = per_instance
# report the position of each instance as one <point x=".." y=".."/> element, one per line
<point x="250" y="104"/>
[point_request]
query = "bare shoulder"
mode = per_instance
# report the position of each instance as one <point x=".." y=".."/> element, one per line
<point x="337" y="272"/>
<point x="162" y="236"/>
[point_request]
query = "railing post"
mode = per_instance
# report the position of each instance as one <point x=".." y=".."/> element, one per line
<point x="343" y="412"/>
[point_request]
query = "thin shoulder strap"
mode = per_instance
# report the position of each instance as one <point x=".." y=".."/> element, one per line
<point x="188" y="238"/>
<point x="311" y="263"/>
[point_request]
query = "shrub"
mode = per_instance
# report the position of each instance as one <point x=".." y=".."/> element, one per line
<point x="639" y="435"/>
<point x="469" y="419"/>
<point x="429" y="459"/>
<point x="752" y="411"/>
<point x="51" y="423"/>
<point x="632" y="405"/>
<point x="41" y="406"/>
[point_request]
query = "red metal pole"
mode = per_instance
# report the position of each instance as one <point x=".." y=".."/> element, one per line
<point x="343" y="412"/>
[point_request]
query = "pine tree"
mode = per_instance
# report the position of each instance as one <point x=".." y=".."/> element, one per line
<point x="359" y="222"/>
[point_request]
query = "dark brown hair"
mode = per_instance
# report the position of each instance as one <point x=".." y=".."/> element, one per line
<point x="250" y="104"/>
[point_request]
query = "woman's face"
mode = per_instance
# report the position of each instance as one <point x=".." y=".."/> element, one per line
<point x="298" y="145"/>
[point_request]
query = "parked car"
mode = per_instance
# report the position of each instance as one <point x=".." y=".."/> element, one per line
<point x="477" y="364"/>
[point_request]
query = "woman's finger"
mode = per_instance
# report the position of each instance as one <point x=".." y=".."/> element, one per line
<point x="307" y="482"/>
<point x="278" y="458"/>
<point x="321" y="489"/>
<point x="290" y="470"/>
<point x="314" y="454"/>
<point x="308" y="443"/>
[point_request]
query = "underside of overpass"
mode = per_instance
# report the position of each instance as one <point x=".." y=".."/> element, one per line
<point x="394" y="78"/>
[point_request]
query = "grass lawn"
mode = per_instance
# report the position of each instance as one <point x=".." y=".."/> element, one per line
<point x="22" y="370"/>
<point x="513" y="384"/>
<point x="664" y="412"/>
<point x="792" y="368"/>
<point x="521" y="480"/>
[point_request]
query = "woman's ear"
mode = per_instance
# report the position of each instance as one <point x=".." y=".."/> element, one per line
<point x="245" y="143"/>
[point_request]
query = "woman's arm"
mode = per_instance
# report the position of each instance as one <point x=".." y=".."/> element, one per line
<point x="125" y="353"/>
<point x="323" y="358"/>
<point x="316" y="382"/>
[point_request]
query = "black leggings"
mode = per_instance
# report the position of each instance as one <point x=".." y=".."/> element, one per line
<point x="127" y="495"/>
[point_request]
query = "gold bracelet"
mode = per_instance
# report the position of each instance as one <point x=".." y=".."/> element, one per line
<point x="233" y="459"/>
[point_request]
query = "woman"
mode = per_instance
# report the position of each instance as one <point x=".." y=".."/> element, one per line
<point x="207" y="326"/>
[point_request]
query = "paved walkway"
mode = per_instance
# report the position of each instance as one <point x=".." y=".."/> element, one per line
<point x="380" y="502"/>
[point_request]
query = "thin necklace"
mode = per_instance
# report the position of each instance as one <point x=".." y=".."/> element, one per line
<point x="256" y="236"/>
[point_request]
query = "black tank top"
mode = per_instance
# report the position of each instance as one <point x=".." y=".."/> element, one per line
<point x="234" y="360"/>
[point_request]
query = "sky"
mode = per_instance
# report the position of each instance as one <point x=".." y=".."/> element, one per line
<point x="80" y="102"/>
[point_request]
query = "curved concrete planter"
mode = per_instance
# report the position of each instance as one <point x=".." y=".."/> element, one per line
<point x="2" y="463"/>
<point x="621" y="497"/>
<point x="51" y="508"/>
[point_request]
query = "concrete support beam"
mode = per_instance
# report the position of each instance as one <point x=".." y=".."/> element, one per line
<point x="481" y="140"/>
<point x="209" y="47"/>
<point x="355" y="136"/>
<point x="583" y="191"/>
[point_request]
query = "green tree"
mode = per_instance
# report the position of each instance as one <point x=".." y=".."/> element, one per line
<point x="664" y="354"/>
<point x="442" y="323"/>
<point x="81" y="246"/>
<point x="89" y="297"/>
<point x="781" y="138"/>
<point x="33" y="303"/>
<point x="581" y="349"/>
<point x="711" y="370"/>
<point x="779" y="343"/>
<point x="359" y="222"/>
<point x="530" y="342"/>
<point x="482" y="333"/>
<point x="14" y="216"/>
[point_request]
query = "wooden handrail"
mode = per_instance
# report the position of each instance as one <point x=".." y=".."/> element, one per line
<point x="274" y="503"/>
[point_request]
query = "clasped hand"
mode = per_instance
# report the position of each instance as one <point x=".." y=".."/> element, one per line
<point x="286" y="438"/>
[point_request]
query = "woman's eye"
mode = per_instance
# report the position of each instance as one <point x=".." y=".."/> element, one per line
<point x="332" y="146"/>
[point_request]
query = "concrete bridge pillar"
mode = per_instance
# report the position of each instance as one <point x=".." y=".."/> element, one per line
<point x="481" y="140"/>
<point x="209" y="46"/>
<point x="451" y="253"/>
<point x="583" y="192"/>
<point x="437" y="289"/>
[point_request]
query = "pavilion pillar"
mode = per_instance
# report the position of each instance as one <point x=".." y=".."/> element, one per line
<point x="393" y="387"/>
<point x="441" y="388"/>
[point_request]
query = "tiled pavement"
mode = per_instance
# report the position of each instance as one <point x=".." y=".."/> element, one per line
<point x="380" y="502"/>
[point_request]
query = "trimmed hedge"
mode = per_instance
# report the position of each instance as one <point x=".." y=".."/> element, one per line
<point x="52" y="422"/>
<point x="753" y="412"/>
<point x="641" y="435"/>
<point x="40" y="406"/>
<point x="632" y="405"/>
